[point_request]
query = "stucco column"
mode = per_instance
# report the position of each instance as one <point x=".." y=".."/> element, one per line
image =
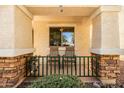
<point x="105" y="42"/>
<point x="15" y="44"/>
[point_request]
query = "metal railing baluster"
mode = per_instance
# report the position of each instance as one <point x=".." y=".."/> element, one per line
<point x="75" y="63"/>
<point x="67" y="65"/>
<point x="63" y="59"/>
<point x="51" y="65"/>
<point x="42" y="66"/>
<point x="38" y="66"/>
<point x="59" y="60"/>
<point x="84" y="64"/>
<point x="55" y="59"/>
<point x="71" y="66"/>
<point x="80" y="66"/>
<point x="92" y="65"/>
<point x="97" y="66"/>
<point x="47" y="66"/>
<point x="88" y="65"/>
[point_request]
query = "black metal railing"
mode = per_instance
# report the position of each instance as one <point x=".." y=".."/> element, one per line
<point x="82" y="66"/>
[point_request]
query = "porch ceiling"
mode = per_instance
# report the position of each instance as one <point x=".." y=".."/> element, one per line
<point x="67" y="10"/>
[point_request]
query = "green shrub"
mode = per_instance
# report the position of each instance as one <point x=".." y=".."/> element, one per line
<point x="57" y="81"/>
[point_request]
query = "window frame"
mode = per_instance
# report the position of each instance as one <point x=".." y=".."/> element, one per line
<point x="72" y="27"/>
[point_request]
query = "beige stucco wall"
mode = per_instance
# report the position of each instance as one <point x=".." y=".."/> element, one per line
<point x="110" y="29"/>
<point x="6" y="27"/>
<point x="15" y="28"/>
<point x="15" y="31"/>
<point x="41" y="38"/>
<point x="121" y="30"/>
<point x="82" y="37"/>
<point x="121" y="27"/>
<point x="96" y="32"/>
<point x="41" y="33"/>
<point x="105" y="30"/>
<point x="23" y="29"/>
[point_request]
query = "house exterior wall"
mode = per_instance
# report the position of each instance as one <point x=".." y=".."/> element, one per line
<point x="96" y="32"/>
<point x="109" y="45"/>
<point x="7" y="27"/>
<point x="109" y="68"/>
<point x="12" y="70"/>
<point x="41" y="33"/>
<point x="105" y="34"/>
<point x="15" y="28"/>
<point x="23" y="29"/>
<point x="15" y="32"/>
<point x="15" y="44"/>
<point x="83" y="37"/>
<point x="121" y="30"/>
<point x="105" y="30"/>
<point x="110" y="29"/>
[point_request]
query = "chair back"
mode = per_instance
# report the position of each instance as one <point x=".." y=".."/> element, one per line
<point x="70" y="51"/>
<point x="54" y="51"/>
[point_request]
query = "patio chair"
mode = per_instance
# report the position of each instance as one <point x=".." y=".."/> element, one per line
<point x="54" y="51"/>
<point x="69" y="56"/>
<point x="54" y="56"/>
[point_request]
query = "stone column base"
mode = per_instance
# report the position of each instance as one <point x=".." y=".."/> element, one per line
<point x="120" y="80"/>
<point x="109" y="68"/>
<point x="12" y="70"/>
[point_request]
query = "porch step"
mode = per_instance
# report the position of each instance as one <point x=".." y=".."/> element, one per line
<point x="89" y="79"/>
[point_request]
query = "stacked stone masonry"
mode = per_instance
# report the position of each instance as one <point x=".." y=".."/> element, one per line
<point x="12" y="70"/>
<point x="120" y="79"/>
<point x="109" y="67"/>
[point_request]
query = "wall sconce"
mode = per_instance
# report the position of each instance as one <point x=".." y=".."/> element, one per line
<point x="61" y="29"/>
<point x="61" y="8"/>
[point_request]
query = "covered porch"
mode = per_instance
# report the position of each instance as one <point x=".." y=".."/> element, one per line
<point x="91" y="30"/>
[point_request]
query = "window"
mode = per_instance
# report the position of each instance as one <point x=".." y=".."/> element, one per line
<point x="61" y="36"/>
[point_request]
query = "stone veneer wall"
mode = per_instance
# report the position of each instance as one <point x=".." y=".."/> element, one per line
<point x="12" y="70"/>
<point x="120" y="79"/>
<point x="109" y="68"/>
